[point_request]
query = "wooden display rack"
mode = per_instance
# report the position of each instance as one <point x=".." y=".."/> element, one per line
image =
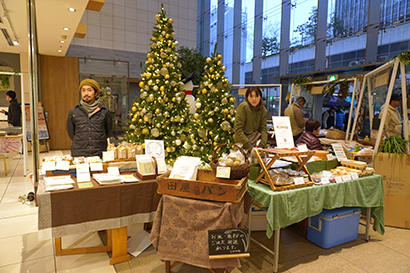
<point x="282" y="153"/>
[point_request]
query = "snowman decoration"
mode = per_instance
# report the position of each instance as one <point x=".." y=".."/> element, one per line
<point x="189" y="86"/>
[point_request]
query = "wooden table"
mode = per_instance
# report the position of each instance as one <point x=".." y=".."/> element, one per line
<point x="110" y="207"/>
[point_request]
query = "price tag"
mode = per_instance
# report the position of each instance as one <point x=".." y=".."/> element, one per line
<point x="302" y="148"/>
<point x="324" y="180"/>
<point x="108" y="156"/>
<point x="63" y="165"/>
<point x="223" y="172"/>
<point x="338" y="179"/>
<point x="49" y="166"/>
<point x="346" y="177"/>
<point x="113" y="170"/>
<point x="354" y="175"/>
<point x="97" y="166"/>
<point x="298" y="180"/>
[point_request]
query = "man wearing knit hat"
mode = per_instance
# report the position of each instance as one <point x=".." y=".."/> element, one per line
<point x="89" y="123"/>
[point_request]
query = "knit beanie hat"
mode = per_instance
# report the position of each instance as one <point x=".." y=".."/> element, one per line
<point x="91" y="83"/>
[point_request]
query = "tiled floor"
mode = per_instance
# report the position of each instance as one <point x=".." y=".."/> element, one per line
<point x="23" y="250"/>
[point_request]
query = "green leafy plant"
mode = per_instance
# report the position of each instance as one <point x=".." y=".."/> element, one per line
<point x="192" y="61"/>
<point x="405" y="57"/>
<point x="303" y="82"/>
<point x="394" y="145"/>
<point x="4" y="82"/>
<point x="342" y="86"/>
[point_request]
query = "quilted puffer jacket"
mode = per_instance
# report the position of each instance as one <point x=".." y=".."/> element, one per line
<point x="311" y="141"/>
<point x="89" y="134"/>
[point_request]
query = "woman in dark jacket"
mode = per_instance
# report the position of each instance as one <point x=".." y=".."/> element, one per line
<point x="309" y="137"/>
<point x="250" y="120"/>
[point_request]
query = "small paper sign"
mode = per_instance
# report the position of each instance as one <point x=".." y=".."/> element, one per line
<point x="298" y="180"/>
<point x="154" y="148"/>
<point x="49" y="166"/>
<point x="283" y="132"/>
<point x="338" y="179"/>
<point x="83" y="172"/>
<point x="162" y="167"/>
<point x="83" y="177"/>
<point x="324" y="180"/>
<point x="346" y="177"/>
<point x="223" y="172"/>
<point x="113" y="170"/>
<point x="63" y="165"/>
<point x="339" y="152"/>
<point x="85" y="185"/>
<point x="354" y="176"/>
<point x="302" y="148"/>
<point x="98" y="166"/>
<point x="108" y="156"/>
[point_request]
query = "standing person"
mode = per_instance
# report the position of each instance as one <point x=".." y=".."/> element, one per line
<point x="309" y="137"/>
<point x="14" y="111"/>
<point x="329" y="117"/>
<point x="340" y="119"/>
<point x="250" y="120"/>
<point x="297" y="122"/>
<point x="392" y="124"/>
<point x="89" y="123"/>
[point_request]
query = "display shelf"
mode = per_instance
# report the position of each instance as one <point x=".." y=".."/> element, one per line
<point x="274" y="154"/>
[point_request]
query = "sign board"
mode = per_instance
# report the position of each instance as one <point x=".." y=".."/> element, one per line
<point x="339" y="152"/>
<point x="283" y="132"/>
<point x="332" y="77"/>
<point x="228" y="243"/>
<point x="42" y="125"/>
<point x="242" y="91"/>
<point x="316" y="90"/>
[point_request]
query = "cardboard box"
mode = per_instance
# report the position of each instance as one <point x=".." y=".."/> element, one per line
<point x="396" y="180"/>
<point x="334" y="227"/>
<point x="258" y="220"/>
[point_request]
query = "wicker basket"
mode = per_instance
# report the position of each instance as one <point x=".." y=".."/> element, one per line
<point x="237" y="172"/>
<point x="335" y="134"/>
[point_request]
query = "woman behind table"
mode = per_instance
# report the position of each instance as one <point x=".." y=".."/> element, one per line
<point x="309" y="137"/>
<point x="250" y="120"/>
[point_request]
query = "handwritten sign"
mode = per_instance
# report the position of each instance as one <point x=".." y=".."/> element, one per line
<point x="224" y="243"/>
<point x="223" y="172"/>
<point x="339" y="152"/>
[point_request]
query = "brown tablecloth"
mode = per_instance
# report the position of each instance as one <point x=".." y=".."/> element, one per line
<point x="100" y="207"/>
<point x="180" y="229"/>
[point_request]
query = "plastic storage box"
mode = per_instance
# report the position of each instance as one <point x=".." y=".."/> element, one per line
<point x="334" y="227"/>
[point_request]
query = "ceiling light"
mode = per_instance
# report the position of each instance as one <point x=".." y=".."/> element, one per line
<point x="66" y="28"/>
<point x="59" y="50"/>
<point x="62" y="41"/>
<point x="71" y="9"/>
<point x="15" y="42"/>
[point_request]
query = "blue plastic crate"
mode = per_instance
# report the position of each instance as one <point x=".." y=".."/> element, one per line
<point x="334" y="227"/>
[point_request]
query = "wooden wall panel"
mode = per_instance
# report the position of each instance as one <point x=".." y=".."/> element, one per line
<point x="59" y="80"/>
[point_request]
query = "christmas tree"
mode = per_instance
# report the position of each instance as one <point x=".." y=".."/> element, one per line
<point x="214" y="112"/>
<point x="161" y="111"/>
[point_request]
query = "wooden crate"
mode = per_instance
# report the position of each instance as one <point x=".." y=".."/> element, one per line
<point x="206" y="187"/>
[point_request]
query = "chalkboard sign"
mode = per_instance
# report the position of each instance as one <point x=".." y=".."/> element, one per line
<point x="228" y="243"/>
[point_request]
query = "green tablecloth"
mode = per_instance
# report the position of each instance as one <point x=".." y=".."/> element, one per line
<point x="292" y="206"/>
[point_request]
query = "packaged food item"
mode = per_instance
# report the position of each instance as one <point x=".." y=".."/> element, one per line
<point x="139" y="150"/>
<point x="131" y="150"/>
<point x="122" y="151"/>
<point x="111" y="147"/>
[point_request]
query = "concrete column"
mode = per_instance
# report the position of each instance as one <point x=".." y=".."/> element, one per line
<point x="257" y="41"/>
<point x="320" y="54"/>
<point x="284" y="48"/>
<point x="373" y="21"/>
<point x="237" y="40"/>
<point x="220" y="27"/>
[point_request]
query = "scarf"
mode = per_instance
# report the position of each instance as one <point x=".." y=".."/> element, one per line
<point x="90" y="108"/>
